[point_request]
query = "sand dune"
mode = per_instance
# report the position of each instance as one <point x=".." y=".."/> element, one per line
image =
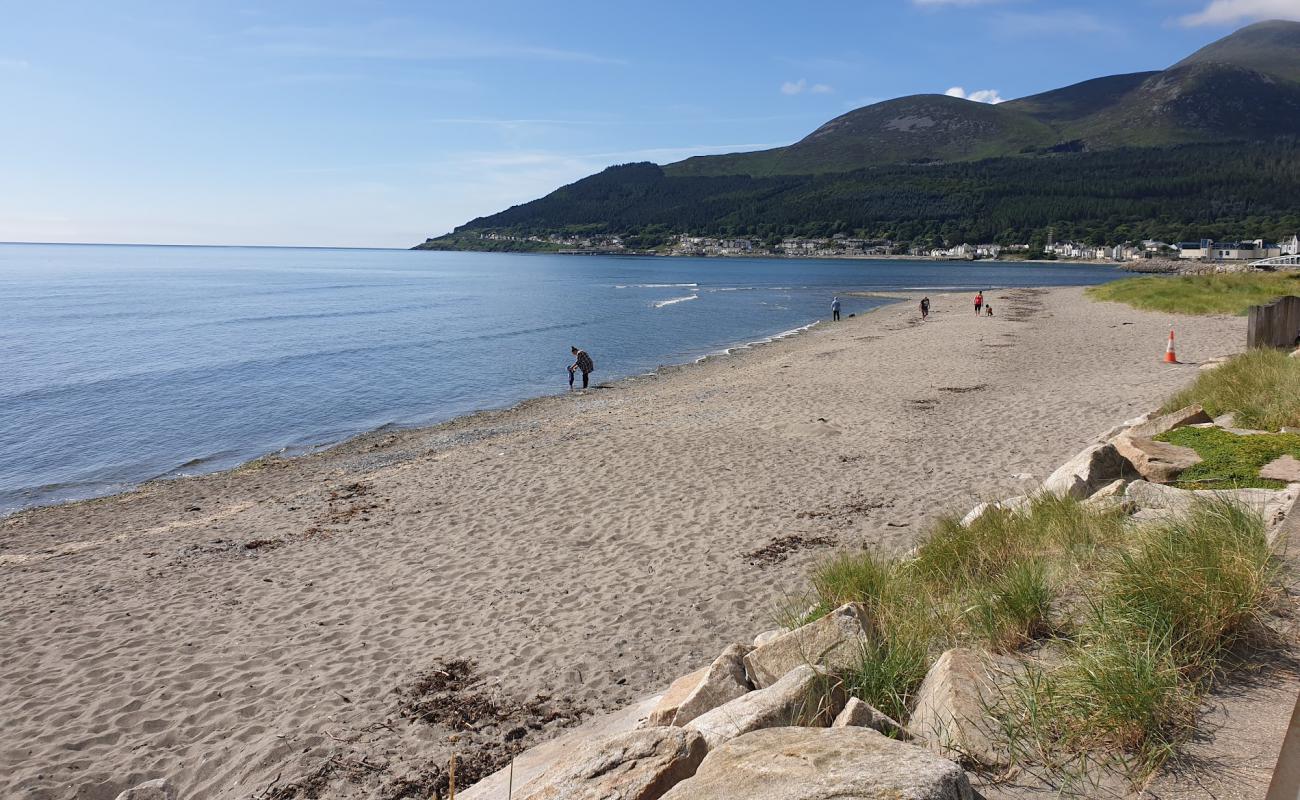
<point x="591" y="545"/>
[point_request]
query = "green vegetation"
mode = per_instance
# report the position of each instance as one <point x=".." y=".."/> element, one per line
<point x="991" y="584"/>
<point x="1170" y="194"/>
<point x="1231" y="461"/>
<point x="1138" y="619"/>
<point x="1227" y="293"/>
<point x="1163" y="615"/>
<point x="1260" y="387"/>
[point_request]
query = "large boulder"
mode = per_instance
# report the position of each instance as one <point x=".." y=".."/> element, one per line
<point x="678" y="691"/>
<point x="157" y="789"/>
<point x="859" y="714"/>
<point x="719" y="683"/>
<point x="955" y="705"/>
<point x="1159" y="462"/>
<point x="640" y="765"/>
<point x="823" y="764"/>
<point x="1095" y="467"/>
<point x="1191" y="415"/>
<point x="835" y="641"/>
<point x="806" y="696"/>
<point x="1010" y="504"/>
<point x="1168" y="502"/>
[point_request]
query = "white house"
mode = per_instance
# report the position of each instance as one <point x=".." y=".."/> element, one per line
<point x="1291" y="247"/>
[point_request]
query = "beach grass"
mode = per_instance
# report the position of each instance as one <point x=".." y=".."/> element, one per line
<point x="1225" y="293"/>
<point x="1165" y="613"/>
<point x="1138" y="619"/>
<point x="1261" y="387"/>
<point x="1229" y="460"/>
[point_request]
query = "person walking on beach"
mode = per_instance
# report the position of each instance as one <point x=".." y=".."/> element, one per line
<point x="925" y="307"/>
<point x="835" y="309"/>
<point x="582" y="362"/>
<point x="979" y="302"/>
<point x="988" y="310"/>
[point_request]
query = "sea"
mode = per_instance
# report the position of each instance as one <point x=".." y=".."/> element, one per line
<point x="121" y="364"/>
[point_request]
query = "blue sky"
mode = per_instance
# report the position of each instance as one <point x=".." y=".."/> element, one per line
<point x="380" y="123"/>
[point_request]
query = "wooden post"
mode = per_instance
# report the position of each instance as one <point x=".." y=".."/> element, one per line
<point x="1286" y="777"/>
<point x="1274" y="325"/>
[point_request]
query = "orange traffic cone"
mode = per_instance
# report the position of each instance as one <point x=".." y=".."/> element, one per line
<point x="1170" y="358"/>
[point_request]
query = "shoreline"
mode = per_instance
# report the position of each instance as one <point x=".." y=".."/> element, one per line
<point x="228" y="629"/>
<point x="290" y="452"/>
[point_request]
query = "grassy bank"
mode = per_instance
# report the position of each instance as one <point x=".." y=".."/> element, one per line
<point x="1260" y="387"/>
<point x="1228" y="293"/>
<point x="1137" y="620"/>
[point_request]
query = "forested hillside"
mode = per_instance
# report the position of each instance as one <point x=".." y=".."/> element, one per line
<point x="1189" y="192"/>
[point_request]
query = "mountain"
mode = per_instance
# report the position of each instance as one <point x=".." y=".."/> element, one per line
<point x="878" y="169"/>
<point x="1245" y="86"/>
<point x="1266" y="47"/>
<point x="919" y="129"/>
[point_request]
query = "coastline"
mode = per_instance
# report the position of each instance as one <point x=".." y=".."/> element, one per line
<point x="293" y="452"/>
<point x="593" y="545"/>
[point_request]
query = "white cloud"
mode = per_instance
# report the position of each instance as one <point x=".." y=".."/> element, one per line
<point x="800" y="86"/>
<point x="989" y="96"/>
<point x="1225" y="12"/>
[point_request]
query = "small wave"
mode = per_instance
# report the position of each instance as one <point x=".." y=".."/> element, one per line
<point x="675" y="300"/>
<point x="774" y="337"/>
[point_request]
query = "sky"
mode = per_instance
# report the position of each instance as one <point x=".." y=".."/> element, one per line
<point x="383" y="122"/>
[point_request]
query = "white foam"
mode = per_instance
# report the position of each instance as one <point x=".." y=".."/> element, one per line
<point x="675" y="300"/>
<point x="774" y="337"/>
<point x="656" y="286"/>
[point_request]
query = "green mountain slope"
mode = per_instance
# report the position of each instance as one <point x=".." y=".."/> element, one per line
<point x="1272" y="48"/>
<point x="921" y="128"/>
<point x="1216" y="190"/>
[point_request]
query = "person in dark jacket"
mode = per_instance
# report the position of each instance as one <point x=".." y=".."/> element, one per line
<point x="582" y="362"/>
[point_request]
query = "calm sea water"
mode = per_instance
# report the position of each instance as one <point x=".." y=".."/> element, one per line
<point x="119" y="364"/>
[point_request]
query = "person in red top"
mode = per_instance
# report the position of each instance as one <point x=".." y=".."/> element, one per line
<point x="979" y="302"/>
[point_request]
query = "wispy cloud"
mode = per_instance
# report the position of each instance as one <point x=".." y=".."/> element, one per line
<point x="386" y="40"/>
<point x="1065" y="21"/>
<point x="1226" y="12"/>
<point x="14" y="64"/>
<point x="800" y="86"/>
<point x="989" y="96"/>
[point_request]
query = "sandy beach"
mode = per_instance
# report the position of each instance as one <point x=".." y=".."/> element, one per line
<point x="229" y="631"/>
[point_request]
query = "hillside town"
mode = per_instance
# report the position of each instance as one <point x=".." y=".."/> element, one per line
<point x="842" y="246"/>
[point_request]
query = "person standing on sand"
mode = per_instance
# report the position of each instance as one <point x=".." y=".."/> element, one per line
<point x="835" y="309"/>
<point x="582" y="362"/>
<point x="925" y="307"/>
<point x="979" y="301"/>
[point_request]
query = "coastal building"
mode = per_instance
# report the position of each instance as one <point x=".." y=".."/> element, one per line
<point x="1290" y="247"/>
<point x="1210" y="250"/>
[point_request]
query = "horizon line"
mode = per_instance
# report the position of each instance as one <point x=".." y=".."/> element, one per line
<point x="256" y="246"/>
